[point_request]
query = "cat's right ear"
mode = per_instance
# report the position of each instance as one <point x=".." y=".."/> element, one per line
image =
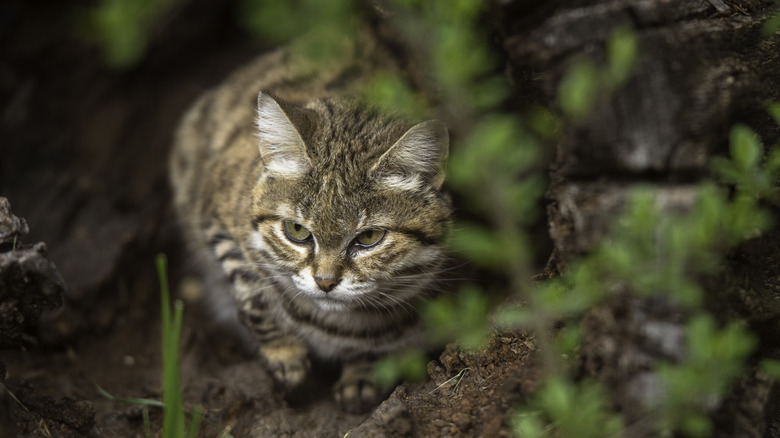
<point x="281" y="145"/>
<point x="417" y="160"/>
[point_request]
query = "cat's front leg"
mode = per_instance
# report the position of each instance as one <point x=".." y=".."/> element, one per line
<point x="355" y="391"/>
<point x="285" y="356"/>
<point x="287" y="359"/>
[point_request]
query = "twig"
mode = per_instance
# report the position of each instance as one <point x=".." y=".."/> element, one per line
<point x="458" y="376"/>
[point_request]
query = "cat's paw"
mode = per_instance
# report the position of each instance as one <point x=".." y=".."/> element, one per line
<point x="355" y="391"/>
<point x="288" y="363"/>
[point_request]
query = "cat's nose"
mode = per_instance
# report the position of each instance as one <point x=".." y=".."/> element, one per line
<point x="326" y="284"/>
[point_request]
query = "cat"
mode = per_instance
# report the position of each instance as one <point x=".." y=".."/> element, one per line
<point x="326" y="215"/>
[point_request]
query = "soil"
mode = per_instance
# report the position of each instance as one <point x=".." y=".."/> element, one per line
<point x="56" y="393"/>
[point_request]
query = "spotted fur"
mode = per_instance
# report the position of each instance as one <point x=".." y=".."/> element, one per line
<point x="303" y="151"/>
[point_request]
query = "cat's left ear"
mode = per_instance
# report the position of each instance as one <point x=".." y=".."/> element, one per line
<point x="281" y="145"/>
<point x="417" y="160"/>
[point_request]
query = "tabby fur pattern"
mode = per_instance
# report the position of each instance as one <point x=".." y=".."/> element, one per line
<point x="325" y="215"/>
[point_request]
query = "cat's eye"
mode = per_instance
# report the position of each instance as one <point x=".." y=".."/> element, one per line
<point x="296" y="232"/>
<point x="369" y="238"/>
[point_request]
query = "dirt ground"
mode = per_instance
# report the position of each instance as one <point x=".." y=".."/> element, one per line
<point x="83" y="161"/>
<point x="468" y="394"/>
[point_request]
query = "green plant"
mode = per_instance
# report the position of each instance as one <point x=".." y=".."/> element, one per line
<point x="491" y="150"/>
<point x="122" y="28"/>
<point x="172" y="403"/>
<point x="585" y="81"/>
<point x="572" y="409"/>
<point x="772" y="24"/>
<point x="715" y="357"/>
<point x="655" y="254"/>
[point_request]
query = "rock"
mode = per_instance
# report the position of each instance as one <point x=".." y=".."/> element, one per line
<point x="11" y="227"/>
<point x="392" y="416"/>
<point x="29" y="283"/>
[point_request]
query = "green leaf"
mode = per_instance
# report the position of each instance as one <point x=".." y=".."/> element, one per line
<point x="467" y="9"/>
<point x="772" y="165"/>
<point x="461" y="317"/>
<point x="458" y="59"/>
<point x="122" y="28"/>
<point x="622" y="53"/>
<point x="390" y="92"/>
<point x="521" y="198"/>
<point x="578" y="89"/>
<point x="521" y="317"/>
<point x="528" y="425"/>
<point x="577" y="409"/>
<point x="408" y="365"/>
<point x="696" y="424"/>
<point x="771" y="25"/>
<point x="774" y="111"/>
<point x="481" y="245"/>
<point x="557" y="397"/>
<point x="745" y="147"/>
<point x="569" y="339"/>
<point x="173" y="412"/>
<point x="130" y="400"/>
<point x="726" y="170"/>
<point x="771" y="367"/>
<point x="282" y="21"/>
<point x="544" y="123"/>
<point x="195" y="420"/>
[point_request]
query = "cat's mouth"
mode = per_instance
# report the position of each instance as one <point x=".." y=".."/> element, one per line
<point x="330" y="303"/>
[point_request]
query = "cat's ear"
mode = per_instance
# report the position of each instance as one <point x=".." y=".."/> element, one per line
<point x="281" y="145"/>
<point x="417" y="160"/>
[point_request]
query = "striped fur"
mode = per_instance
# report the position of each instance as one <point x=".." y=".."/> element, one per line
<point x="243" y="163"/>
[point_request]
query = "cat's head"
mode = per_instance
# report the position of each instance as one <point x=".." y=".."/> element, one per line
<point x="349" y="204"/>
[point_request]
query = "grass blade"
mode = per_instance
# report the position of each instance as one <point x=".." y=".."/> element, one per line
<point x="173" y="410"/>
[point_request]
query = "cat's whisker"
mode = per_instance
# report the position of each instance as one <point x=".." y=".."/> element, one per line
<point x="376" y="304"/>
<point x="300" y="293"/>
<point x="405" y="306"/>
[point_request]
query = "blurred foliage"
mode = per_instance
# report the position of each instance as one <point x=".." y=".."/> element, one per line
<point x="388" y="90"/>
<point x="652" y="253"/>
<point x="715" y="357"/>
<point x="122" y="29"/>
<point x="460" y="317"/>
<point x="317" y="32"/>
<point x="744" y="171"/>
<point x="771" y="367"/>
<point x="409" y="364"/>
<point x="774" y="111"/>
<point x="585" y="81"/>
<point x="496" y="162"/>
<point x="281" y="21"/>
<point x="772" y="24"/>
<point x="573" y="409"/>
<point x="578" y="90"/>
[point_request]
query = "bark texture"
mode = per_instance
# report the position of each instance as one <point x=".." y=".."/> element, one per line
<point x="703" y="67"/>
